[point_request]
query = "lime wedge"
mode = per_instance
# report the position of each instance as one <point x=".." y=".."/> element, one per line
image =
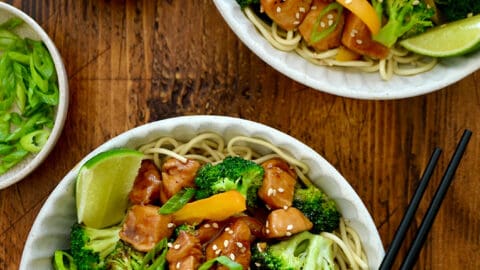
<point x="102" y="187"/>
<point x="452" y="39"/>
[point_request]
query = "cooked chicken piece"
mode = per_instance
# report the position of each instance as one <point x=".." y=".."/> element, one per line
<point x="278" y="184"/>
<point x="313" y="25"/>
<point x="144" y="227"/>
<point x="233" y="242"/>
<point x="209" y="230"/>
<point x="185" y="253"/>
<point x="176" y="176"/>
<point x="255" y="225"/>
<point x="146" y="188"/>
<point x="358" y="38"/>
<point x="286" y="222"/>
<point x="288" y="14"/>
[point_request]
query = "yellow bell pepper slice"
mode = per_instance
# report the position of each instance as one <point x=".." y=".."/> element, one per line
<point x="216" y="207"/>
<point x="365" y="11"/>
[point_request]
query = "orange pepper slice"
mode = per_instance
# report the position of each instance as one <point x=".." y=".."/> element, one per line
<point x="216" y="207"/>
<point x="365" y="11"/>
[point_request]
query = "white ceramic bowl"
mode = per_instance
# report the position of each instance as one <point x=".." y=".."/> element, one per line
<point x="52" y="226"/>
<point x="342" y="82"/>
<point x="31" y="29"/>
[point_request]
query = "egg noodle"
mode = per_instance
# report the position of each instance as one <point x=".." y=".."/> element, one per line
<point x="399" y="62"/>
<point x="212" y="148"/>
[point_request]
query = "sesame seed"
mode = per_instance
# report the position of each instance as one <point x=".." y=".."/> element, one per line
<point x="353" y="32"/>
<point x="178" y="265"/>
<point x="330" y="16"/>
<point x="301" y="9"/>
<point x="289" y="227"/>
<point x="285" y="207"/>
<point x="416" y="2"/>
<point x="170" y="225"/>
<point x="207" y="225"/>
<point x="239" y="244"/>
<point x="322" y="24"/>
<point x="313" y="7"/>
<point x="225" y="243"/>
<point x="169" y="245"/>
<point x="348" y="2"/>
<point x="214" y="247"/>
<point x="288" y="233"/>
<point x="297" y="15"/>
<point x="177" y="246"/>
<point x="266" y="223"/>
<point x="232" y="256"/>
<point x="227" y="229"/>
<point x="267" y="231"/>
<point x="330" y="22"/>
<point x="279" y="9"/>
<point x="218" y="252"/>
<point x="270" y="192"/>
<point x="257" y="264"/>
<point x="359" y="41"/>
<point x="230" y="232"/>
<point x="296" y="22"/>
<point x="215" y="225"/>
<point x="280" y="190"/>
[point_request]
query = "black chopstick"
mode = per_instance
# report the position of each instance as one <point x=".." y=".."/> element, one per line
<point x="434" y="206"/>
<point x="410" y="213"/>
<point x="432" y="211"/>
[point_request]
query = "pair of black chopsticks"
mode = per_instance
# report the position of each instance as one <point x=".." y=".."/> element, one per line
<point x="420" y="237"/>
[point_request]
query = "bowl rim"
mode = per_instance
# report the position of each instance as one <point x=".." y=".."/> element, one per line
<point x="62" y="107"/>
<point x="230" y="11"/>
<point x="201" y="123"/>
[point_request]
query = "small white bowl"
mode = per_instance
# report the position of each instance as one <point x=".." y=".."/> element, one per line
<point x="343" y="82"/>
<point x="31" y="29"/>
<point x="51" y="228"/>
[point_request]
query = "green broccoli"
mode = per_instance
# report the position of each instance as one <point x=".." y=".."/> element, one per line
<point x="246" y="3"/>
<point x="453" y="10"/>
<point x="189" y="228"/>
<point x="89" y="247"/>
<point x="405" y="18"/>
<point x="232" y="173"/>
<point x="317" y="207"/>
<point x="124" y="257"/>
<point x="301" y="251"/>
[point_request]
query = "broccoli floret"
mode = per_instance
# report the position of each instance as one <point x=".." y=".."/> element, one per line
<point x="301" y="251"/>
<point x="453" y="10"/>
<point x="124" y="257"/>
<point x="89" y="247"/>
<point x="233" y="173"/>
<point x="246" y="3"/>
<point x="317" y="207"/>
<point x="405" y="18"/>
<point x="189" y="228"/>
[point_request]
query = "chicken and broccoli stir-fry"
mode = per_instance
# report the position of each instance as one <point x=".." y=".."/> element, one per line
<point x="230" y="214"/>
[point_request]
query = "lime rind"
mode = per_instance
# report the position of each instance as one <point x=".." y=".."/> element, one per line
<point x="452" y="39"/>
<point x="114" y="152"/>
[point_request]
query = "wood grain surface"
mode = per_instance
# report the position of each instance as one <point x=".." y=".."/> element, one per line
<point x="134" y="62"/>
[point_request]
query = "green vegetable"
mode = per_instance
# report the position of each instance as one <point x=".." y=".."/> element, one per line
<point x="317" y="207"/>
<point x="28" y="95"/>
<point x="233" y="173"/>
<point x="405" y="18"/>
<point x="124" y="257"/>
<point x="62" y="260"/>
<point x="319" y="34"/>
<point x="155" y="259"/>
<point x="177" y="201"/>
<point x="90" y="247"/>
<point x="224" y="260"/>
<point x="246" y="3"/>
<point x="188" y="228"/>
<point x="301" y="251"/>
<point x="453" y="10"/>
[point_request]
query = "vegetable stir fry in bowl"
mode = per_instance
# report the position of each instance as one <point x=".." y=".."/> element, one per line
<point x="203" y="192"/>
<point x="366" y="49"/>
<point x="33" y="95"/>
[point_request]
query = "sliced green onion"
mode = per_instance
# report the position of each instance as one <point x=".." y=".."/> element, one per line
<point x="62" y="260"/>
<point x="319" y="34"/>
<point x="177" y="201"/>
<point x="224" y="260"/>
<point x="34" y="141"/>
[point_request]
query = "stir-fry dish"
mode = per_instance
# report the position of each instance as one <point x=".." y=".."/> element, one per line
<point x="360" y="34"/>
<point x="208" y="203"/>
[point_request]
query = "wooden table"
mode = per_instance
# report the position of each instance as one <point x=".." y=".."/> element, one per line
<point x="134" y="62"/>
